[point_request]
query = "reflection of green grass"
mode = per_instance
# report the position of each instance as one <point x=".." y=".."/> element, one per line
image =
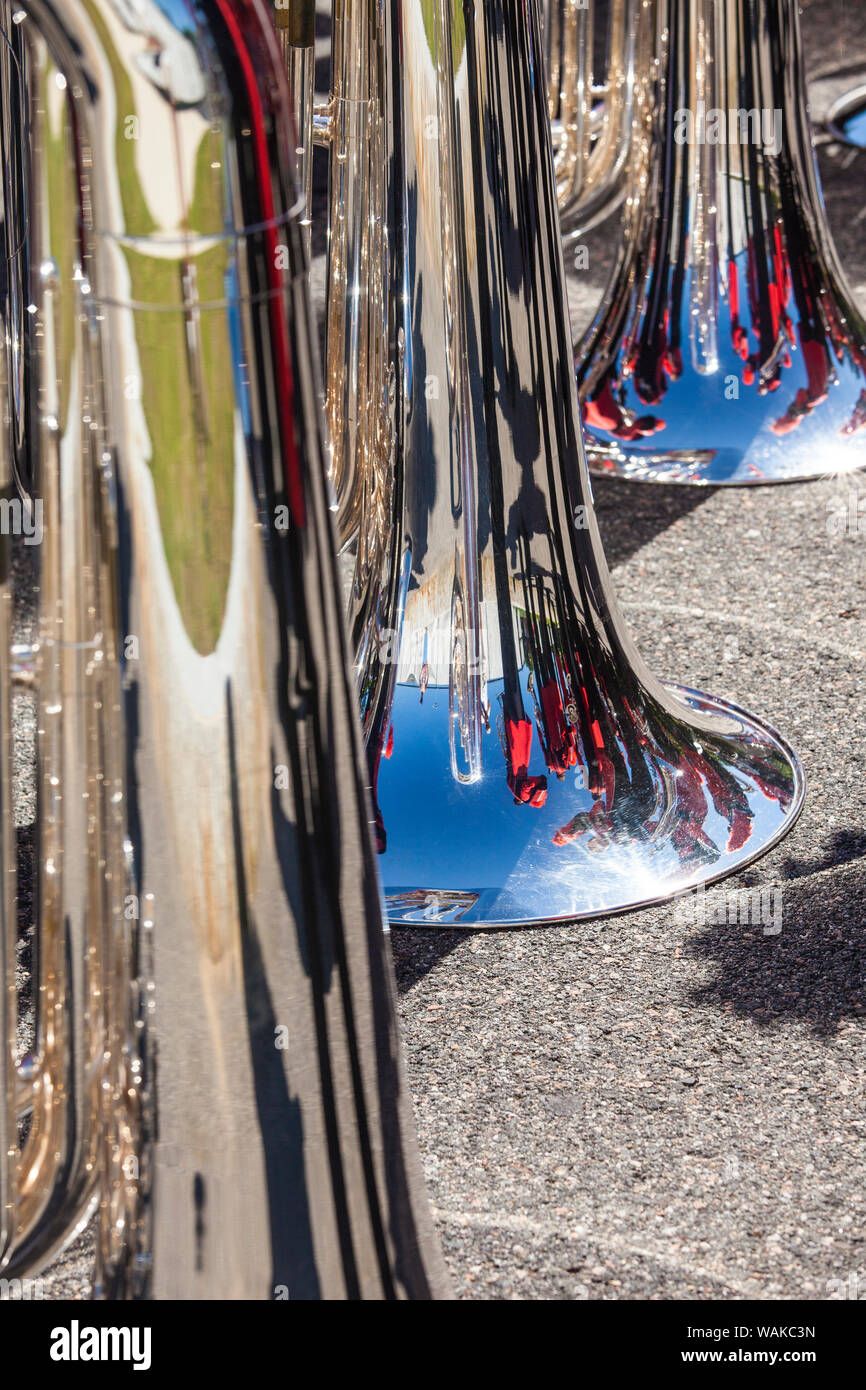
<point x="193" y="476"/>
<point x="136" y="213"/>
<point x="192" y="466"/>
<point x="206" y="209"/>
<point x="458" y="28"/>
<point x="59" y="176"/>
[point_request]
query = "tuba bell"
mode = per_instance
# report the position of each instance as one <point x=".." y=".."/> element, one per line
<point x="215" y="1066"/>
<point x="524" y="764"/>
<point x="728" y="347"/>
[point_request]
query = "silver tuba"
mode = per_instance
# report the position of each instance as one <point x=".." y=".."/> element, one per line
<point x="524" y="764"/>
<point x="215" y="1066"/>
<point x="728" y="347"/>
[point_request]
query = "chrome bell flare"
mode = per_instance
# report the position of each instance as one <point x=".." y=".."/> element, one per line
<point x="728" y="348"/>
<point x="653" y="818"/>
<point x="524" y="764"/>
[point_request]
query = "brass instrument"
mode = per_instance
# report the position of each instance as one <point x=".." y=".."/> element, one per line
<point x="216" y="1066"/>
<point x="591" y="111"/>
<point x="728" y="347"/>
<point x="524" y="764"/>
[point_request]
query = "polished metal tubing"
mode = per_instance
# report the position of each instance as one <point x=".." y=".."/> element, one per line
<point x="591" y="107"/>
<point x="728" y="347"/>
<point x="296" y="28"/>
<point x="525" y="766"/>
<point x="217" y="1065"/>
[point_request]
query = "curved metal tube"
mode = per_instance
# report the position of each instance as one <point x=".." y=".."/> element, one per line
<point x="728" y="347"/>
<point x="591" y="113"/>
<point x="356" y="394"/>
<point x="217" y="1059"/>
<point x="525" y="765"/>
<point x="296" y="29"/>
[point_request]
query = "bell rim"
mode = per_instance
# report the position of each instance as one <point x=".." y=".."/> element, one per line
<point x="730" y="864"/>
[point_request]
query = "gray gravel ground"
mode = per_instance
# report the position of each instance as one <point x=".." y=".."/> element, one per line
<point x="637" y="1108"/>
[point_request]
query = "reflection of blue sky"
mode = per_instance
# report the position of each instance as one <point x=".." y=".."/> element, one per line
<point x="454" y="836"/>
<point x="179" y="12"/>
<point x="134" y="14"/>
<point x="697" y="414"/>
<point x="239" y="370"/>
<point x="430" y="818"/>
<point x="855" y="127"/>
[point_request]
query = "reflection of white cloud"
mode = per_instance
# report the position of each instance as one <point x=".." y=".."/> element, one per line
<point x="131" y="12"/>
<point x="179" y="125"/>
<point x="175" y="71"/>
<point x="170" y="61"/>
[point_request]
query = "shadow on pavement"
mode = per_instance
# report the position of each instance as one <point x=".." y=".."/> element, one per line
<point x="630" y="515"/>
<point x="843" y="847"/>
<point x="416" y="952"/>
<point x="813" y="971"/>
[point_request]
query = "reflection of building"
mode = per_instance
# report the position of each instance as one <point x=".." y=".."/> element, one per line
<point x="428" y="633"/>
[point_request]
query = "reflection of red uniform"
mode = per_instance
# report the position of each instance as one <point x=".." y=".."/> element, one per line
<point x="603" y="783"/>
<point x="607" y="784"/>
<point x="780" y="290"/>
<point x="673" y="363"/>
<point x="739" y="336"/>
<point x="595" y="819"/>
<point x="687" y="831"/>
<point x="773" y="791"/>
<point x="858" y="418"/>
<point x="739" y="823"/>
<point x="601" y="412"/>
<point x="741" y="829"/>
<point x="651" y="384"/>
<point x="817" y="373"/>
<point x="530" y="791"/>
<point x="560" y="743"/>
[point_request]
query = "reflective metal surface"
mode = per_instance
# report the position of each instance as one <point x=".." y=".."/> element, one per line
<point x="590" y="70"/>
<point x="216" y="1065"/>
<point x="728" y="347"/>
<point x="16" y="322"/>
<point x="295" y="22"/>
<point x="525" y="765"/>
<point x="846" y="119"/>
<point x="357" y="386"/>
